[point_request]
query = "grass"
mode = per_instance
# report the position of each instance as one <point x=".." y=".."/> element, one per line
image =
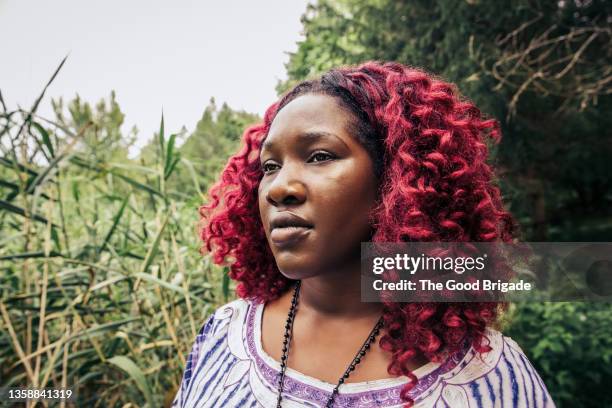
<point x="102" y="286"/>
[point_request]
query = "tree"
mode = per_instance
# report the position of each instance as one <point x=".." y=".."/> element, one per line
<point x="104" y="137"/>
<point x="216" y="137"/>
<point x="555" y="153"/>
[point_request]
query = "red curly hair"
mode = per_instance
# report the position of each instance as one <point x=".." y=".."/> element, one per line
<point x="429" y="151"/>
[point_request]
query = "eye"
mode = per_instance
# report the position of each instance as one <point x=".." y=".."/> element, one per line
<point x="319" y="156"/>
<point x="266" y="167"/>
<point x="322" y="154"/>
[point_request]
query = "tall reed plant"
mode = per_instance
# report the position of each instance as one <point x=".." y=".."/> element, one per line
<point x="102" y="286"/>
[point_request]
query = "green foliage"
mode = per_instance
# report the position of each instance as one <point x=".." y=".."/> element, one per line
<point x="570" y="346"/>
<point x="102" y="286"/>
<point x="103" y="136"/>
<point x="127" y="365"/>
<point x="554" y="158"/>
<point x="205" y="151"/>
<point x="216" y="136"/>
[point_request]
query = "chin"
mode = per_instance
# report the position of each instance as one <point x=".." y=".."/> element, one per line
<point x="296" y="271"/>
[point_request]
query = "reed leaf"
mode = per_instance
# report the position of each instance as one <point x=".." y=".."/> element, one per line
<point x="45" y="137"/>
<point x="150" y="278"/>
<point x="11" y="164"/>
<point x="154" y="247"/>
<point x="38" y="180"/>
<point x="161" y="141"/>
<point x="138" y="184"/>
<point x="4" y="205"/>
<point x="126" y="364"/>
<point x="29" y="255"/>
<point x="97" y="330"/>
<point x="116" y="220"/>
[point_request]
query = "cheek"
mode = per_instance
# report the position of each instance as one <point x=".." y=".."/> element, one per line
<point x="346" y="202"/>
<point x="261" y="205"/>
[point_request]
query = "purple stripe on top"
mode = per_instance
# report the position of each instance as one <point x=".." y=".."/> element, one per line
<point x="389" y="395"/>
<point x="513" y="380"/>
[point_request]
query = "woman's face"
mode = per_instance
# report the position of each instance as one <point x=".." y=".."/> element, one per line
<point x="316" y="174"/>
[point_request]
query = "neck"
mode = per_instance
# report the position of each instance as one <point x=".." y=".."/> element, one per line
<point x="336" y="296"/>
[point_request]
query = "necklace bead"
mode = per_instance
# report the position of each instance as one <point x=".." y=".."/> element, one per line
<point x="287" y="341"/>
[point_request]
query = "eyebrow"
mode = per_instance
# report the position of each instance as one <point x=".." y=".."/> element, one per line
<point x="309" y="137"/>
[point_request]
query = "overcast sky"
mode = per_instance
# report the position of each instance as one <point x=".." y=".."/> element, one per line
<point x="173" y="55"/>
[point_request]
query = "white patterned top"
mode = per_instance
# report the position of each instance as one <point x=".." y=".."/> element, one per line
<point x="227" y="367"/>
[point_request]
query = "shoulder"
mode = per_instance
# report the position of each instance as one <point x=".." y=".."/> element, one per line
<point x="501" y="377"/>
<point x="236" y="305"/>
<point x="221" y="318"/>
<point x="216" y="337"/>
<point x="217" y="327"/>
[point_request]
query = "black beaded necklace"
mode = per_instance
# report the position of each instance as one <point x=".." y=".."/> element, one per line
<point x="287" y="341"/>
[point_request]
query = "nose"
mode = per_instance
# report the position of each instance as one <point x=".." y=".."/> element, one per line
<point x="287" y="187"/>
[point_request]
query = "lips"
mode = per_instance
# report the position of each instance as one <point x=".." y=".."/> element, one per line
<point x="286" y="236"/>
<point x="287" y="229"/>
<point x="288" y="219"/>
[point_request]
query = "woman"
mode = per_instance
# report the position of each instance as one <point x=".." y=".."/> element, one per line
<point x="381" y="153"/>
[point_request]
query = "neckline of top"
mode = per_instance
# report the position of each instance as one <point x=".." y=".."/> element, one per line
<point x="427" y="374"/>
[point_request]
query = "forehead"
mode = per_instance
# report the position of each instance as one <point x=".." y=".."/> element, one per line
<point x="307" y="114"/>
